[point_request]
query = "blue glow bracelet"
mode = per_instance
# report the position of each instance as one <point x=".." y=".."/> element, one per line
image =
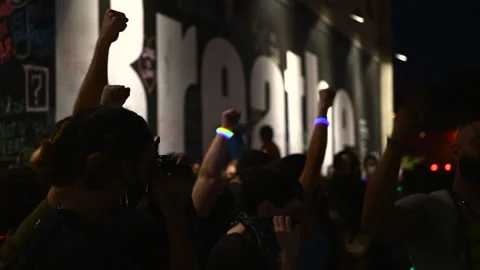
<point x="321" y="120"/>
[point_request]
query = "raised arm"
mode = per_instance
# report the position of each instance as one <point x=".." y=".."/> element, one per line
<point x="318" y="144"/>
<point x="96" y="78"/>
<point x="311" y="173"/>
<point x="380" y="214"/>
<point x="205" y="190"/>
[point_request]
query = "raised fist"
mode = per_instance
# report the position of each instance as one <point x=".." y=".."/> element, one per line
<point x="113" y="23"/>
<point x="230" y="118"/>
<point x="114" y="95"/>
<point x="326" y="97"/>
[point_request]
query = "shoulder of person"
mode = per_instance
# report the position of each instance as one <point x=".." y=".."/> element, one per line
<point x="439" y="198"/>
<point x="235" y="251"/>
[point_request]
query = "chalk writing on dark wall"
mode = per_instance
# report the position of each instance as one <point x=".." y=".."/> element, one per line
<point x="27" y="46"/>
<point x="19" y="135"/>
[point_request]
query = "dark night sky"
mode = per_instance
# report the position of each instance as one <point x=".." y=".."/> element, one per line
<point x="439" y="37"/>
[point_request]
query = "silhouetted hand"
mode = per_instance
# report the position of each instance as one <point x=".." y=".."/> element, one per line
<point x="230" y="118"/>
<point x="114" y="95"/>
<point x="113" y="23"/>
<point x="326" y="97"/>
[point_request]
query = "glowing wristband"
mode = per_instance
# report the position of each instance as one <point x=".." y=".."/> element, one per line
<point x="224" y="132"/>
<point x="321" y="120"/>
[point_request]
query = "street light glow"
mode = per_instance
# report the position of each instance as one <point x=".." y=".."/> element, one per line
<point x="357" y="18"/>
<point x="401" y="57"/>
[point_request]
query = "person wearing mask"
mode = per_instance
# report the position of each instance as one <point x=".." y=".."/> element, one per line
<point x="440" y="229"/>
<point x="268" y="145"/>
<point x="370" y="162"/>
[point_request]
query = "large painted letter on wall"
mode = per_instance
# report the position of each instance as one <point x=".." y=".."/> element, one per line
<point x="343" y="121"/>
<point x="176" y="71"/>
<point x="223" y="85"/>
<point x="294" y="88"/>
<point x="266" y="72"/>
<point x="125" y="51"/>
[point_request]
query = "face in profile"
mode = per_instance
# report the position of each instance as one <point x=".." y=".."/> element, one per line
<point x="231" y="172"/>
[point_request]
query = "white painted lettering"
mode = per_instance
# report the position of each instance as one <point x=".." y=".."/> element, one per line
<point x="264" y="73"/>
<point x="295" y="91"/>
<point x="125" y="51"/>
<point x="223" y="85"/>
<point x="176" y="71"/>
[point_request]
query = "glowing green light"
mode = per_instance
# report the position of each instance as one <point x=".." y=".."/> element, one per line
<point x="412" y="268"/>
<point x="399" y="189"/>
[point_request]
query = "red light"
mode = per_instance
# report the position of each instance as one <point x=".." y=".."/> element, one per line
<point x="448" y="167"/>
<point x="434" y="167"/>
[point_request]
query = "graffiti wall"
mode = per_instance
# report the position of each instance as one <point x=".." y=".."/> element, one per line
<point x="27" y="74"/>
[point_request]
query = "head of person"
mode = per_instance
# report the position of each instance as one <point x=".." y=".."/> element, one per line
<point x="196" y="167"/>
<point x="370" y="162"/>
<point x="269" y="191"/>
<point x="266" y="133"/>
<point x="346" y="165"/>
<point x="330" y="171"/>
<point x="251" y="159"/>
<point x="100" y="151"/>
<point x="231" y="170"/>
<point x="293" y="165"/>
<point x="466" y="151"/>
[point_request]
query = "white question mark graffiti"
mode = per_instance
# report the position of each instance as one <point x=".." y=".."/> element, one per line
<point x="37" y="81"/>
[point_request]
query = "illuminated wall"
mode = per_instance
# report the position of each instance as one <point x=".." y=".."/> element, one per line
<point x="187" y="62"/>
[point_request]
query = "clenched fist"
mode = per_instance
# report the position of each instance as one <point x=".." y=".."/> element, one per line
<point x="326" y="97"/>
<point x="114" y="95"/>
<point x="113" y="23"/>
<point x="230" y="118"/>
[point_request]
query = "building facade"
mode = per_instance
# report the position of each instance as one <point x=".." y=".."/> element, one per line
<point x="186" y="61"/>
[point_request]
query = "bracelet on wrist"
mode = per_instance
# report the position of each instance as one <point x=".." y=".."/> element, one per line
<point x="321" y="121"/>
<point x="225" y="132"/>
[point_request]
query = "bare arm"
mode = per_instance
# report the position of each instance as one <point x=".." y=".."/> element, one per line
<point x="182" y="253"/>
<point x="380" y="215"/>
<point x="288" y="262"/>
<point x="96" y="78"/>
<point x="205" y="190"/>
<point x="311" y="173"/>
